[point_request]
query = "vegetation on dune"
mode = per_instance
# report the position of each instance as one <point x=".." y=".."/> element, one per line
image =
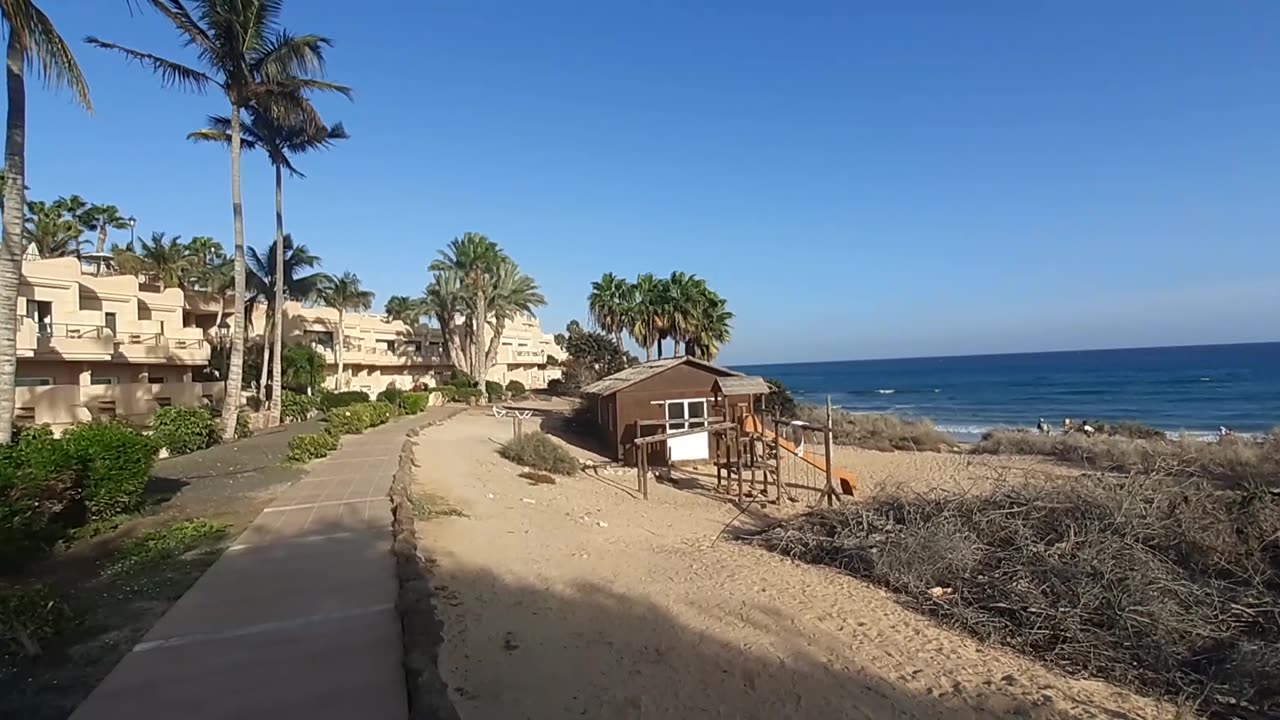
<point x="878" y="432"/>
<point x="1170" y="587"/>
<point x="680" y="307"/>
<point x="1232" y="459"/>
<point x="538" y="451"/>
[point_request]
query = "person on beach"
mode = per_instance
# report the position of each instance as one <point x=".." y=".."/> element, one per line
<point x="1042" y="427"/>
<point x="1066" y="425"/>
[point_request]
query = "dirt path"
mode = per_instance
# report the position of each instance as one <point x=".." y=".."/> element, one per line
<point x="580" y="600"/>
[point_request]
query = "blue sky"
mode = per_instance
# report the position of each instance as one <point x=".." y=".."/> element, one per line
<point x="859" y="180"/>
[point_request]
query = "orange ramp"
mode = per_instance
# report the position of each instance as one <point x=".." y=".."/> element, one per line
<point x="847" y="481"/>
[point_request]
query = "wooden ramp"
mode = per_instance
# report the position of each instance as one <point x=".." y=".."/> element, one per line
<point x="845" y="479"/>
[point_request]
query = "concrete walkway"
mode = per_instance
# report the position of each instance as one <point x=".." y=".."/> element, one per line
<point x="297" y="619"/>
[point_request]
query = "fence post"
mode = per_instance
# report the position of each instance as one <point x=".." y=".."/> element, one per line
<point x="829" y="492"/>
<point x="777" y="457"/>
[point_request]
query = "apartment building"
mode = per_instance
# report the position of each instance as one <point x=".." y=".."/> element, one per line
<point x="379" y="353"/>
<point x="93" y="345"/>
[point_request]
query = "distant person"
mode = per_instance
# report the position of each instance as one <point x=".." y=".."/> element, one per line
<point x="1088" y="430"/>
<point x="1042" y="427"/>
<point x="1223" y="432"/>
<point x="1066" y="425"/>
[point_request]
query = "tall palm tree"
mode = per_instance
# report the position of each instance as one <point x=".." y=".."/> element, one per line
<point x="443" y="300"/>
<point x="646" y="313"/>
<point x="168" y="262"/>
<point x="280" y="141"/>
<point x="50" y="232"/>
<point x="32" y="40"/>
<point x="263" y="270"/>
<point x="101" y="219"/>
<point x="476" y="259"/>
<point x="683" y="298"/>
<point x="344" y="294"/>
<point x="711" y="328"/>
<point x="256" y="64"/>
<point x="511" y="293"/>
<point x="405" y="309"/>
<point x="610" y="303"/>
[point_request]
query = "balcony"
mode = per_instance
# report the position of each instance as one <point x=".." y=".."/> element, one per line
<point x="188" y="349"/>
<point x="70" y="341"/>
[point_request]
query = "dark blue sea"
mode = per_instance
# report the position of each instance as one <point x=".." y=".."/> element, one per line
<point x="1190" y="390"/>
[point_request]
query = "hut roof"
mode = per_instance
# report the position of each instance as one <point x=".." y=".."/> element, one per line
<point x="636" y="373"/>
<point x="743" y="385"/>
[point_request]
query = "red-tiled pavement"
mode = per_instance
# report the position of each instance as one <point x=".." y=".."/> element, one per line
<point x="296" y="619"/>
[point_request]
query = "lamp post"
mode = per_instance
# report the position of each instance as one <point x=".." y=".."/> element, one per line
<point x="133" y="223"/>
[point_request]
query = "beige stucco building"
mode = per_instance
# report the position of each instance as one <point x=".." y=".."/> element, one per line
<point x="92" y="347"/>
<point x="379" y="353"/>
<point x="97" y="345"/>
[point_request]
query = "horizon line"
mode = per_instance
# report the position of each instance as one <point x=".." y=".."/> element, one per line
<point x="1005" y="354"/>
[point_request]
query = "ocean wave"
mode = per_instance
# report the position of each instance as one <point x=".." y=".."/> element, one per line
<point x="894" y="391"/>
<point x="886" y="392"/>
<point x="975" y="430"/>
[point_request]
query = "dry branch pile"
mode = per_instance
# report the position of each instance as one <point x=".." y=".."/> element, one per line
<point x="1173" y="589"/>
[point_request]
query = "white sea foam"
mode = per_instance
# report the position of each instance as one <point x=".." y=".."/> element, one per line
<point x="886" y="392"/>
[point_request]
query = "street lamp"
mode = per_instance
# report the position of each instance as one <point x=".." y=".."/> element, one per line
<point x="133" y="223"/>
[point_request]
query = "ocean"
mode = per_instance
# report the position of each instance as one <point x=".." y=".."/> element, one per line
<point x="1191" y="390"/>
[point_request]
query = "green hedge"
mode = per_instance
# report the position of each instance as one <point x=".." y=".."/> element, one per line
<point x="115" y="462"/>
<point x="412" y="403"/>
<point x="538" y="451"/>
<point x="469" y="395"/>
<point x="331" y="400"/>
<point x="516" y="389"/>
<point x="296" y="407"/>
<point x="355" y="419"/>
<point x="313" y="446"/>
<point x="494" y="390"/>
<point x="391" y="395"/>
<point x="182" y="430"/>
<point x="51" y="486"/>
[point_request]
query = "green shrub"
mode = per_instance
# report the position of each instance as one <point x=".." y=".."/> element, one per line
<point x="355" y="419"/>
<point x="380" y="412"/>
<point x="538" y="451"/>
<point x="314" y="446"/>
<point x="555" y="386"/>
<point x="779" y="402"/>
<point x="494" y="391"/>
<point x="296" y="407"/>
<point x="331" y="400"/>
<point x="29" y="615"/>
<point x="183" y="430"/>
<point x="460" y="379"/>
<point x="115" y="462"/>
<point x="166" y="543"/>
<point x="516" y="389"/>
<point x="878" y="432"/>
<point x="412" y="403"/>
<point x="40" y="488"/>
<point x="468" y="395"/>
<point x="391" y="395"/>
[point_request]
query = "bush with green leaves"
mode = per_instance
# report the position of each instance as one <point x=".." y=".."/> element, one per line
<point x="391" y="395"/>
<point x="182" y="430"/>
<point x="331" y="400"/>
<point x="301" y="368"/>
<point x="355" y="419"/>
<point x="167" y="543"/>
<point x="312" y="446"/>
<point x="40" y="487"/>
<point x="467" y="395"/>
<point x="381" y="412"/>
<point x="243" y="428"/>
<point x="28" y="616"/>
<point x="412" y="403"/>
<point x="296" y="407"/>
<point x="538" y="451"/>
<point x="115" y="463"/>
<point x="516" y="389"/>
<point x="494" y="390"/>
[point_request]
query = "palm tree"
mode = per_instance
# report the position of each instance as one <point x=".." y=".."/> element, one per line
<point x="405" y="309"/>
<point x="511" y="293"/>
<point x="50" y="232"/>
<point x="711" y="328"/>
<point x="101" y="219"/>
<point x="264" y="268"/>
<point x="33" y="41"/>
<point x="645" y="317"/>
<point x="683" y="298"/>
<point x="476" y="259"/>
<point x="344" y="294"/>
<point x="443" y="300"/>
<point x="255" y="64"/>
<point x="167" y="262"/>
<point x="609" y="303"/>
<point x="279" y="140"/>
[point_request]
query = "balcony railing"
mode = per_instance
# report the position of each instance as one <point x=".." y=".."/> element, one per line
<point x="187" y="343"/>
<point x="131" y="338"/>
<point x="71" y="331"/>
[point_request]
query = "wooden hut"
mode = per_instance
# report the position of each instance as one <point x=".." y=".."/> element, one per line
<point x="668" y="395"/>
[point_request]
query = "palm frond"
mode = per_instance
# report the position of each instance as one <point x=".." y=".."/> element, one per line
<point x="172" y="74"/>
<point x="180" y="16"/>
<point x="287" y="56"/>
<point x="45" y="51"/>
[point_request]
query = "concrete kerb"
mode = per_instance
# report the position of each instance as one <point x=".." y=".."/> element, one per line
<point x="416" y="603"/>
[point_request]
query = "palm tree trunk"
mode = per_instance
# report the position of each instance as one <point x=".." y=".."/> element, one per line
<point x="231" y="403"/>
<point x="15" y="150"/>
<point x="266" y="357"/>
<point x="101" y="247"/>
<point x="337" y="383"/>
<point x="478" y="345"/>
<point x="495" y="344"/>
<point x="277" y="325"/>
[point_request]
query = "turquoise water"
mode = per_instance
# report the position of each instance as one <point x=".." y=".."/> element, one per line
<point x="1181" y="389"/>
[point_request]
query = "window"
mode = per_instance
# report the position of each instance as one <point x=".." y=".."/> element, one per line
<point x="32" y="381"/>
<point x="155" y="380"/>
<point x="675" y="412"/>
<point x="686" y="415"/>
<point x="164" y="402"/>
<point x="110" y="320"/>
<point x="103" y="380"/>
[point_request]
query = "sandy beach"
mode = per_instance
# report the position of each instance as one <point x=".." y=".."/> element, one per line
<point x="579" y="599"/>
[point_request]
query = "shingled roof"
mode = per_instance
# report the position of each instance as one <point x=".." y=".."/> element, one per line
<point x="743" y="385"/>
<point x="644" y="371"/>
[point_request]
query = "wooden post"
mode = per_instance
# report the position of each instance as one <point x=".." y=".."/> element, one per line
<point x="737" y="443"/>
<point x="777" y="458"/>
<point x="829" y="492"/>
<point x="515" y="428"/>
